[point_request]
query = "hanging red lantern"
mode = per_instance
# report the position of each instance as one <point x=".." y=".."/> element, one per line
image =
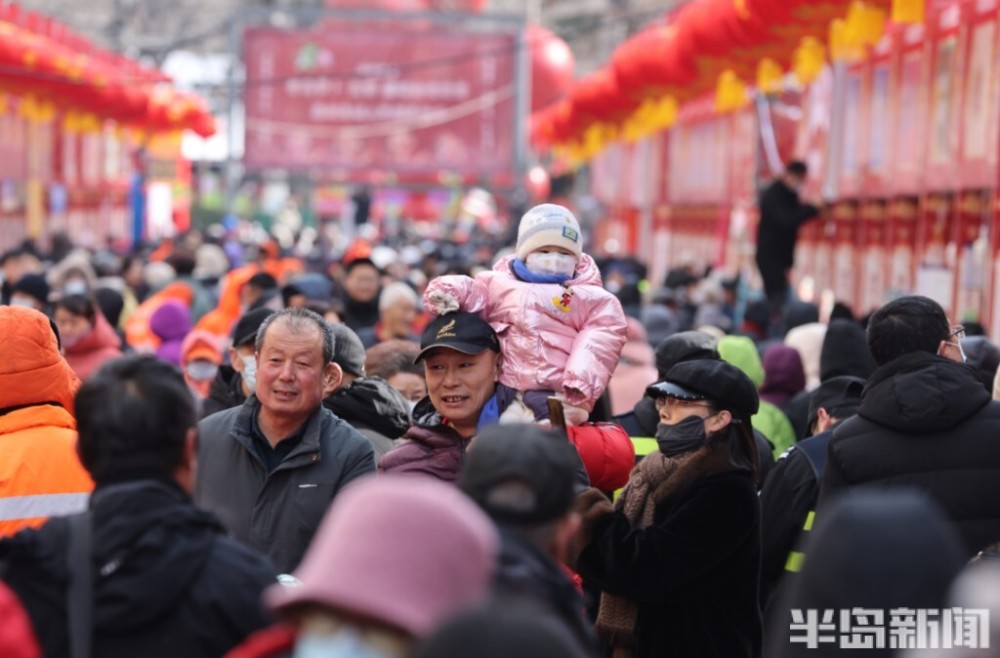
<point x="552" y="67"/>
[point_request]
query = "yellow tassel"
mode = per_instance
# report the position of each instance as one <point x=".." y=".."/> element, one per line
<point x="769" y="76"/>
<point x="730" y="92"/>
<point x="908" y="11"/>
<point x="809" y="60"/>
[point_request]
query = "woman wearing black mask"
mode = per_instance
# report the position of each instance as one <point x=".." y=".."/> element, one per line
<point x="678" y="556"/>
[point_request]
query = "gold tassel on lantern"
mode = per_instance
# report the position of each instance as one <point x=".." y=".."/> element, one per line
<point x="769" y="76"/>
<point x="809" y="60"/>
<point x="908" y="11"/>
<point x="865" y="25"/>
<point x="730" y="92"/>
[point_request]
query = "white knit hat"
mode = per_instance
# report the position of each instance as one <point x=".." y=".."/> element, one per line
<point x="548" y="225"/>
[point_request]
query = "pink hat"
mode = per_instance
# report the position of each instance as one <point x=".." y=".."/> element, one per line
<point x="404" y="550"/>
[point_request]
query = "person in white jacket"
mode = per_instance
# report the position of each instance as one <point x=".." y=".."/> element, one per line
<point x="561" y="332"/>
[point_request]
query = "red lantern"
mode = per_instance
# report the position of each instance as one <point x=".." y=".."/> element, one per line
<point x="552" y="67"/>
<point x="538" y="184"/>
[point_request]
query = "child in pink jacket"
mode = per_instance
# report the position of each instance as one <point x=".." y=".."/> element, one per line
<point x="561" y="333"/>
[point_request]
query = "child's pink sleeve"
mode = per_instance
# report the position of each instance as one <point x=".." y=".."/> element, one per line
<point x="595" y="352"/>
<point x="467" y="294"/>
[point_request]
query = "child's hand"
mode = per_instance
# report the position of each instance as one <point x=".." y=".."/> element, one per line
<point x="574" y="415"/>
<point x="442" y="302"/>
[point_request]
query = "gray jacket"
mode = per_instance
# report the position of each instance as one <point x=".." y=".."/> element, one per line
<point x="276" y="513"/>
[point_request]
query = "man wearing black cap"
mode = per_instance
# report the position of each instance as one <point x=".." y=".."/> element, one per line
<point x="234" y="383"/>
<point x="790" y="493"/>
<point x="524" y="477"/>
<point x="460" y="353"/>
<point x="368" y="404"/>
<point x="678" y="557"/>
<point x="31" y="291"/>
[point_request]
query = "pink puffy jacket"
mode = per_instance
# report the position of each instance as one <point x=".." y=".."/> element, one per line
<point x="563" y="338"/>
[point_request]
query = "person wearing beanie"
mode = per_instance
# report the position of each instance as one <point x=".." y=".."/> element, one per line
<point x="368" y="404"/>
<point x="30" y="291"/>
<point x="235" y="382"/>
<point x="394" y="558"/>
<point x="561" y="333"/>
<point x="171" y="323"/>
<point x="678" y="555"/>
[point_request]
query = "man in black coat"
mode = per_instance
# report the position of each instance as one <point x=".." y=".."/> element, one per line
<point x="525" y="478"/>
<point x="790" y="493"/>
<point x="925" y="421"/>
<point x="166" y="580"/>
<point x="781" y="215"/>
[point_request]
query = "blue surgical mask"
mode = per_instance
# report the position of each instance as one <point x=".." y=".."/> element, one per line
<point x="75" y="287"/>
<point x="250" y="372"/>
<point x="346" y="643"/>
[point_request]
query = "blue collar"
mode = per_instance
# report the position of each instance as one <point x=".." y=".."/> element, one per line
<point x="522" y="272"/>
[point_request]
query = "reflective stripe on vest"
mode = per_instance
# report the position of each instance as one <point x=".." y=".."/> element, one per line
<point x="42" y="506"/>
<point x="795" y="558"/>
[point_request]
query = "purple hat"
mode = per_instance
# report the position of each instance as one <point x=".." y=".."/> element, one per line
<point x="403" y="550"/>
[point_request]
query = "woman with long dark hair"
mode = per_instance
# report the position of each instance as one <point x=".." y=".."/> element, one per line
<point x="88" y="339"/>
<point x="678" y="556"/>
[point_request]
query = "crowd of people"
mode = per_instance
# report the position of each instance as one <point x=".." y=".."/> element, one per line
<point x="213" y="448"/>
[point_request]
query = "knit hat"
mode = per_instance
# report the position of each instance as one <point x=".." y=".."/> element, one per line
<point x="405" y="551"/>
<point x="33" y="285"/>
<point x="548" y="225"/>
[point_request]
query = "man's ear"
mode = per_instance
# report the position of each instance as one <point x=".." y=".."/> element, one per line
<point x="333" y="376"/>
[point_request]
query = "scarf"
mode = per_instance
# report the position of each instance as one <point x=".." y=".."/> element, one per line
<point x="654" y="480"/>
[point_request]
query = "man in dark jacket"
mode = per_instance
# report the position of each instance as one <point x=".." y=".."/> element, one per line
<point x="781" y="215"/>
<point x="641" y="422"/>
<point x="165" y="578"/>
<point x="270" y="467"/>
<point x="234" y="383"/>
<point x="460" y="353"/>
<point x="789" y="496"/>
<point x="368" y="404"/>
<point x="925" y="421"/>
<point x="524" y="477"/>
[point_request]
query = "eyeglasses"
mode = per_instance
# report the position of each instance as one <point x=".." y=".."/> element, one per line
<point x="958" y="332"/>
<point x="677" y="403"/>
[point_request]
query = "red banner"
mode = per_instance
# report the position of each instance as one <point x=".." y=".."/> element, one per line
<point x="357" y="101"/>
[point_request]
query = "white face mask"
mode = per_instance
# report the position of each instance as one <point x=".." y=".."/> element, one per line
<point x="412" y="405"/>
<point x="24" y="302"/>
<point x="75" y="287"/>
<point x="347" y="643"/>
<point x="250" y="372"/>
<point x="552" y="263"/>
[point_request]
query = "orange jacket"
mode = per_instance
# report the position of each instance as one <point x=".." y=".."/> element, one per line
<point x="40" y="474"/>
<point x="220" y="321"/>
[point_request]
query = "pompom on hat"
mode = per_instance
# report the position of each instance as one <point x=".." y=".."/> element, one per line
<point x="548" y="225"/>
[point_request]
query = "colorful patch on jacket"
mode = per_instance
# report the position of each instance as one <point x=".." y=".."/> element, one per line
<point x="562" y="301"/>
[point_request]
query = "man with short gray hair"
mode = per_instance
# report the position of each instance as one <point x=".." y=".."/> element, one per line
<point x="398" y="305"/>
<point x="270" y="467"/>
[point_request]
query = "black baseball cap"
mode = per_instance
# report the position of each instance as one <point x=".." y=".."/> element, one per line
<point x="520" y="474"/>
<point x="245" y="331"/>
<point x="840" y="396"/>
<point x="463" y="332"/>
<point x="707" y="379"/>
<point x="348" y="350"/>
